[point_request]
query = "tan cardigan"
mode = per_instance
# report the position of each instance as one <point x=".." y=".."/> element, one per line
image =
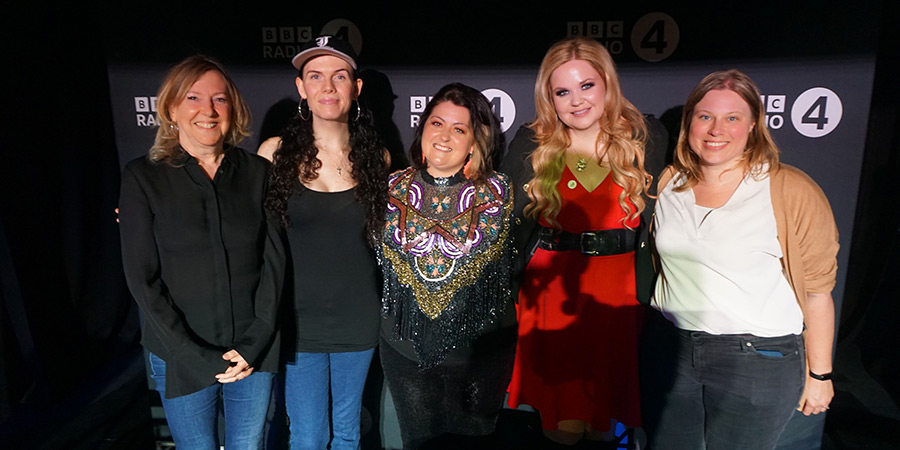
<point x="806" y="230"/>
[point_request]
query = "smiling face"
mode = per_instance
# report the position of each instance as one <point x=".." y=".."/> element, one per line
<point x="720" y="126"/>
<point x="203" y="115"/>
<point x="579" y="95"/>
<point x="328" y="85"/>
<point x="447" y="139"/>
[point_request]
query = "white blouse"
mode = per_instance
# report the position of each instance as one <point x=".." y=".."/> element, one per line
<point x="721" y="269"/>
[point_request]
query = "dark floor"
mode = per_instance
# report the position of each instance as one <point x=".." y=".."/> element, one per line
<point x="863" y="414"/>
<point x="117" y="416"/>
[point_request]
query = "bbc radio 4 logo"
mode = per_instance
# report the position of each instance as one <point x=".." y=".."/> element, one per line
<point x="501" y="103"/>
<point x="654" y="36"/>
<point x="145" y="111"/>
<point x="815" y="113"/>
<point x="285" y="42"/>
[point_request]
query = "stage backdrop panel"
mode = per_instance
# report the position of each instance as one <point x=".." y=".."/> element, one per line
<point x="814" y="66"/>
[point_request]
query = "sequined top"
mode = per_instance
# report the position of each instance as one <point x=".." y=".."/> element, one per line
<point x="446" y="255"/>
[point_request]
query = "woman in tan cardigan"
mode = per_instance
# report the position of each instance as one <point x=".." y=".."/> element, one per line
<point x="747" y="250"/>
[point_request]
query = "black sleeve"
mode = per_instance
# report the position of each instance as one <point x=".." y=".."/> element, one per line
<point x="258" y="338"/>
<point x="655" y="156"/>
<point x="517" y="165"/>
<point x="656" y="153"/>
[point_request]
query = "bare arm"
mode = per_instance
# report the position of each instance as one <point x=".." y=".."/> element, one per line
<point x="268" y="147"/>
<point x="819" y="319"/>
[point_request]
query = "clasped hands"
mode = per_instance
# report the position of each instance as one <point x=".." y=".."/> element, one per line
<point x="238" y="368"/>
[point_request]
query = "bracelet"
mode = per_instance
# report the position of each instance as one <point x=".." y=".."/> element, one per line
<point x="823" y="377"/>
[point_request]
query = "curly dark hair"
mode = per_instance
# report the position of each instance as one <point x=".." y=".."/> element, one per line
<point x="296" y="159"/>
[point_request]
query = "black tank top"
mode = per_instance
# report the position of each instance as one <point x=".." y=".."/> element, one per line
<point x="336" y="285"/>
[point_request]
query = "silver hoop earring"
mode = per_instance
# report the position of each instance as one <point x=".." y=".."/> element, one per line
<point x="358" y="110"/>
<point x="300" y="109"/>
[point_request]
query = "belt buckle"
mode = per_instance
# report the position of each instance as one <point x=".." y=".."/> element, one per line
<point x="587" y="239"/>
<point x="546" y="240"/>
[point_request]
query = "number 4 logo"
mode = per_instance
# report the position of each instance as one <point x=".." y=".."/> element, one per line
<point x="655" y="36"/>
<point x="503" y="107"/>
<point x="817" y="112"/>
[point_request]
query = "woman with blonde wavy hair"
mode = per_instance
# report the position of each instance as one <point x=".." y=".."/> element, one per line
<point x="581" y="164"/>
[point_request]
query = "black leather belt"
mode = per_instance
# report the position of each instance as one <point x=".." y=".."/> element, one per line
<point x="589" y="243"/>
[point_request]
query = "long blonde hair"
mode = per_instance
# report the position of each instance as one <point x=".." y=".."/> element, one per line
<point x="622" y="128"/>
<point x="172" y="92"/>
<point x="761" y="154"/>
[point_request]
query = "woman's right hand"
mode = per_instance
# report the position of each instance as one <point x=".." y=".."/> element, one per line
<point x="238" y="369"/>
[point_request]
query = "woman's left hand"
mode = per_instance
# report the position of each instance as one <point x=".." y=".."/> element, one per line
<point x="816" y="397"/>
<point x="238" y="369"/>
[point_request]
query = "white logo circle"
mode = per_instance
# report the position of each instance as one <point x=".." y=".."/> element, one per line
<point x="346" y="30"/>
<point x="655" y="36"/>
<point x="503" y="106"/>
<point x="817" y="112"/>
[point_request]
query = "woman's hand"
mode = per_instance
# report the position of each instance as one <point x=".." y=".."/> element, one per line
<point x="817" y="395"/>
<point x="237" y="370"/>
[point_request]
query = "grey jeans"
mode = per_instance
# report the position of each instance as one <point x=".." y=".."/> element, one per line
<point x="701" y="390"/>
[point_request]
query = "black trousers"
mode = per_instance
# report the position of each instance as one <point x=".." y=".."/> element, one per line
<point x="455" y="397"/>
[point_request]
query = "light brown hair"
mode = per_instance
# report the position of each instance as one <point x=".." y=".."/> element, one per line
<point x="172" y="92"/>
<point x="761" y="148"/>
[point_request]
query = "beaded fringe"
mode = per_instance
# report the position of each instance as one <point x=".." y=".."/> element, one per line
<point x="460" y="323"/>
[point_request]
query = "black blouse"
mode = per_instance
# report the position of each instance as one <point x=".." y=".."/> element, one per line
<point x="203" y="264"/>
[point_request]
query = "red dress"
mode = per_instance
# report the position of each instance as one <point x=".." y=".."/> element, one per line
<point x="580" y="322"/>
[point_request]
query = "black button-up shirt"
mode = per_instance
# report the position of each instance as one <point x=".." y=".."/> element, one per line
<point x="203" y="264"/>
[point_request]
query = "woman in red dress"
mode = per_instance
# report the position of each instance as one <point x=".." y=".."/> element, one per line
<point x="581" y="163"/>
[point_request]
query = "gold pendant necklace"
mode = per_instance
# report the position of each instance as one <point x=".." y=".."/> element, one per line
<point x="581" y="165"/>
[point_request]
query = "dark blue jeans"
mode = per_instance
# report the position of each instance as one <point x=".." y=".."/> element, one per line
<point x="717" y="391"/>
<point x="193" y="418"/>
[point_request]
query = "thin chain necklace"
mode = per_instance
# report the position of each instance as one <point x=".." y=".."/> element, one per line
<point x="338" y="166"/>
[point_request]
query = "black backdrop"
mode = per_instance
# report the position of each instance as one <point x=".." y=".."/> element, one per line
<point x="70" y="365"/>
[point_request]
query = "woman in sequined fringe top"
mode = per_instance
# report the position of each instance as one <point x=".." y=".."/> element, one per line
<point x="448" y="334"/>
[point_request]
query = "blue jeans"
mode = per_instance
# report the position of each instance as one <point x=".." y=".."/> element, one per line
<point x="701" y="390"/>
<point x="308" y="381"/>
<point x="193" y="418"/>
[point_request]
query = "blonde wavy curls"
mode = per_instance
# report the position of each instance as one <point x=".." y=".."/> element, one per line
<point x="622" y="128"/>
